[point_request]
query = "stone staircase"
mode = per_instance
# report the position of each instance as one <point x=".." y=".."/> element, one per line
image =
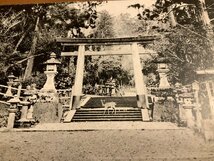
<point x="97" y="114"/>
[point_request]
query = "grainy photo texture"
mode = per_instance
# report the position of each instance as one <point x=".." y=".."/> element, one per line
<point x="107" y="80"/>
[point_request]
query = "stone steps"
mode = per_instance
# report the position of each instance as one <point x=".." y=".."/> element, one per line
<point x="90" y="114"/>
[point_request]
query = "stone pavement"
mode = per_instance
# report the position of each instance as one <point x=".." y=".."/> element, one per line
<point x="105" y="145"/>
<point x="111" y="125"/>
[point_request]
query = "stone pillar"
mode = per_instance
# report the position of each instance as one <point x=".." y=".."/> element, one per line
<point x="197" y="109"/>
<point x="24" y="111"/>
<point x="182" y="115"/>
<point x="189" y="116"/>
<point x="33" y="100"/>
<point x="12" y="111"/>
<point x="11" y="118"/>
<point x="141" y="91"/>
<point x="211" y="101"/>
<point x="138" y="76"/>
<point x="78" y="84"/>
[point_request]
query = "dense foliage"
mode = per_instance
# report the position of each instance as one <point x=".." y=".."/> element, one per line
<point x="27" y="34"/>
<point x="29" y="31"/>
<point x="186" y="36"/>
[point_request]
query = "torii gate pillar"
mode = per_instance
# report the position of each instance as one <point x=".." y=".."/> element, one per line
<point x="78" y="78"/>
<point x="141" y="91"/>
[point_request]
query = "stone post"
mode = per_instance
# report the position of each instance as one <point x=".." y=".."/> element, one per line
<point x="78" y="84"/>
<point x="12" y="112"/>
<point x="188" y="107"/>
<point x="32" y="100"/>
<point x="11" y="118"/>
<point x="25" y="105"/>
<point x="211" y="100"/>
<point x="197" y="108"/>
<point x="182" y="116"/>
<point x="189" y="116"/>
<point x="140" y="86"/>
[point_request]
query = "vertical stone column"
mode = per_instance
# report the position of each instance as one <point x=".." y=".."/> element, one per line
<point x="79" y="77"/>
<point x="24" y="111"/>
<point x="140" y="86"/>
<point x="11" y="118"/>
<point x="211" y="102"/>
<point x="197" y="108"/>
<point x="189" y="116"/>
<point x="12" y="111"/>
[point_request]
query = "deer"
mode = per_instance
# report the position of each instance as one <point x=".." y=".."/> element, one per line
<point x="108" y="105"/>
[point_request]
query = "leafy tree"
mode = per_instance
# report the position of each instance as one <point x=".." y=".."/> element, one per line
<point x="186" y="45"/>
<point x="28" y="31"/>
<point x="101" y="68"/>
<point x="104" y="27"/>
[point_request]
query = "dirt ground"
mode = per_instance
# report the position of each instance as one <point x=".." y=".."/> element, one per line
<point x="100" y="145"/>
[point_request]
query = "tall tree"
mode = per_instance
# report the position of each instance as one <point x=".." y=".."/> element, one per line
<point x="187" y="45"/>
<point x="26" y="27"/>
<point x="104" y="27"/>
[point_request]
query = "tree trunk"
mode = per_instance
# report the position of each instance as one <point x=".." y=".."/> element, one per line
<point x="205" y="21"/>
<point x="29" y="68"/>
<point x="203" y="13"/>
<point x="172" y="18"/>
<point x="21" y="39"/>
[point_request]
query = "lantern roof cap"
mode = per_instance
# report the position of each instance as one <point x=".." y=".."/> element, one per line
<point x="52" y="59"/>
<point x="14" y="100"/>
<point x="11" y="76"/>
<point x="161" y="60"/>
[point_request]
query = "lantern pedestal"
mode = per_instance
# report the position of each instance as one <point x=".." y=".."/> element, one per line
<point x="24" y="111"/>
<point x="163" y="78"/>
<point x="30" y="114"/>
<point x="12" y="111"/>
<point x="9" y="90"/>
<point x="49" y="84"/>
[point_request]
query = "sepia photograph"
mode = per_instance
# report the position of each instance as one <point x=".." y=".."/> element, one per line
<point x="113" y="80"/>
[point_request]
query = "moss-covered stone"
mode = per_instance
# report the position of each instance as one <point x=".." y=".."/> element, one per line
<point x="166" y="112"/>
<point x="47" y="112"/>
<point x="3" y="114"/>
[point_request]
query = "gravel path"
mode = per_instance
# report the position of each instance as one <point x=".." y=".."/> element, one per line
<point x="113" y="145"/>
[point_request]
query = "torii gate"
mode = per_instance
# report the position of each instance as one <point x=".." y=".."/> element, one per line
<point x="135" y="50"/>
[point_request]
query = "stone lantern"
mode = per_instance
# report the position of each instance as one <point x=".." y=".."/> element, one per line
<point x="25" y="105"/>
<point x="10" y="82"/>
<point x="51" y="71"/>
<point x="162" y="70"/>
<point x="12" y="111"/>
<point x="188" y="105"/>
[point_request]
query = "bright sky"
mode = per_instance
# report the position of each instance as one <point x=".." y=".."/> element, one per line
<point x="116" y="7"/>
